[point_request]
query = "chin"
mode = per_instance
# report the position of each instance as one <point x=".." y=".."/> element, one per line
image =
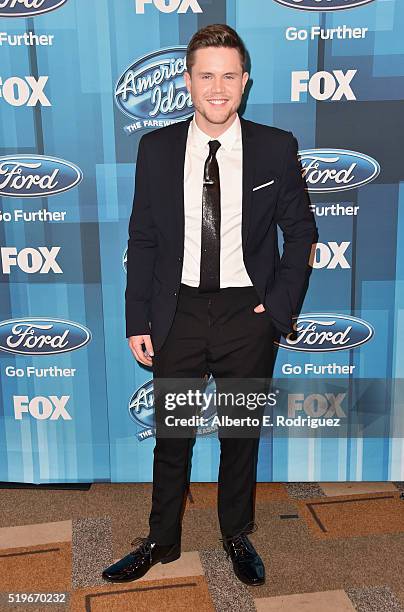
<point x="218" y="117"/>
<point x="218" y="120"/>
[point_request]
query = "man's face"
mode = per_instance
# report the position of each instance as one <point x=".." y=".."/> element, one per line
<point x="216" y="85"/>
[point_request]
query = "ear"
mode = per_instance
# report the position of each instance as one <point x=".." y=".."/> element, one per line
<point x="244" y="79"/>
<point x="187" y="78"/>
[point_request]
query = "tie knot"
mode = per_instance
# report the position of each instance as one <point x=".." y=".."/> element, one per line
<point x="213" y="146"/>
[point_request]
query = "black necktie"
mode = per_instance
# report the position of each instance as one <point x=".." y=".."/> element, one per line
<point x="210" y="242"/>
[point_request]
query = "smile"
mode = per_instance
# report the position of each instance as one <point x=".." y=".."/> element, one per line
<point x="218" y="102"/>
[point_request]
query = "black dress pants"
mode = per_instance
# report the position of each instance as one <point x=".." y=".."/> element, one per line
<point x="217" y="333"/>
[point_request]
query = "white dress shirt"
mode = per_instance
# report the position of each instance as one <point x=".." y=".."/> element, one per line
<point x="229" y="157"/>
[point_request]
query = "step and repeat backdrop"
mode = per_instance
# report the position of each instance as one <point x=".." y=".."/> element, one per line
<point x="80" y="82"/>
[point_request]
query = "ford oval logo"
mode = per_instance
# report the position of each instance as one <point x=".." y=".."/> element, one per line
<point x="323" y="332"/>
<point x="327" y="170"/>
<point x="28" y="8"/>
<point x="35" y="176"/>
<point x="323" y="5"/>
<point x="152" y="90"/>
<point x="38" y="336"/>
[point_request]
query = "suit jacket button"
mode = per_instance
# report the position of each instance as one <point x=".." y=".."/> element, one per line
<point x="175" y="293"/>
<point x="179" y="258"/>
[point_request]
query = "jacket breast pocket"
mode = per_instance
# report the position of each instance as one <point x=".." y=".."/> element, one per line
<point x="265" y="189"/>
<point x="266" y="184"/>
<point x="263" y="203"/>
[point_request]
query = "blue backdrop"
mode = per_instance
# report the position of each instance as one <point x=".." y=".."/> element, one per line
<point x="80" y="82"/>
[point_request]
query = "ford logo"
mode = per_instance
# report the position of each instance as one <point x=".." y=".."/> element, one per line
<point x="28" y="8"/>
<point x="320" y="332"/>
<point x="152" y="91"/>
<point x="327" y="170"/>
<point x="323" y="5"/>
<point x="37" y="336"/>
<point x="35" y="176"/>
<point x="141" y="408"/>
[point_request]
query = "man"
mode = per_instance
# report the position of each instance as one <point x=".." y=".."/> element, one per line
<point x="203" y="268"/>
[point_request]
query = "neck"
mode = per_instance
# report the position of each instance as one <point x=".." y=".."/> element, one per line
<point x="213" y="129"/>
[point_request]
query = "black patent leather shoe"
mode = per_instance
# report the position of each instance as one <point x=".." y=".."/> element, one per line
<point x="138" y="562"/>
<point x="247" y="563"/>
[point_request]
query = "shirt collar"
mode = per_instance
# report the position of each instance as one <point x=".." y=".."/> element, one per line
<point x="227" y="140"/>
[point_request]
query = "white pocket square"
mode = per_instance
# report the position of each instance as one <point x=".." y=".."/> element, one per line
<point x="263" y="185"/>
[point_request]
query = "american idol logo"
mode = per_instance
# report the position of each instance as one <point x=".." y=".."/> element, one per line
<point x="37" y="336"/>
<point x="321" y="332"/>
<point x="35" y="176"/>
<point x="28" y="8"/>
<point x="141" y="410"/>
<point x="152" y="91"/>
<point x="323" y="5"/>
<point x="327" y="170"/>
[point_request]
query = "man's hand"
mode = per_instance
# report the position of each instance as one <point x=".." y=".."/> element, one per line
<point x="259" y="308"/>
<point x="135" y="345"/>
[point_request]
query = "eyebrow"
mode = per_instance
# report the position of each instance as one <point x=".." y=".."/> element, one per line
<point x="224" y="74"/>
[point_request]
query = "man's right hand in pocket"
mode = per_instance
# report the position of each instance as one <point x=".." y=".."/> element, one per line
<point x="135" y="345"/>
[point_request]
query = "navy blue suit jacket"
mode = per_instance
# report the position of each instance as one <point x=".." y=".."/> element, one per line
<point x="156" y="227"/>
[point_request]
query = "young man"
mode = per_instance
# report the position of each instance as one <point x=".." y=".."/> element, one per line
<point x="203" y="268"/>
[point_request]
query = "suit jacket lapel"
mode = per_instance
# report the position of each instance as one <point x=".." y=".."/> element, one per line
<point x="177" y="153"/>
<point x="248" y="177"/>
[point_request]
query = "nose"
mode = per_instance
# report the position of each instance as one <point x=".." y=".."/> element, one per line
<point x="217" y="85"/>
